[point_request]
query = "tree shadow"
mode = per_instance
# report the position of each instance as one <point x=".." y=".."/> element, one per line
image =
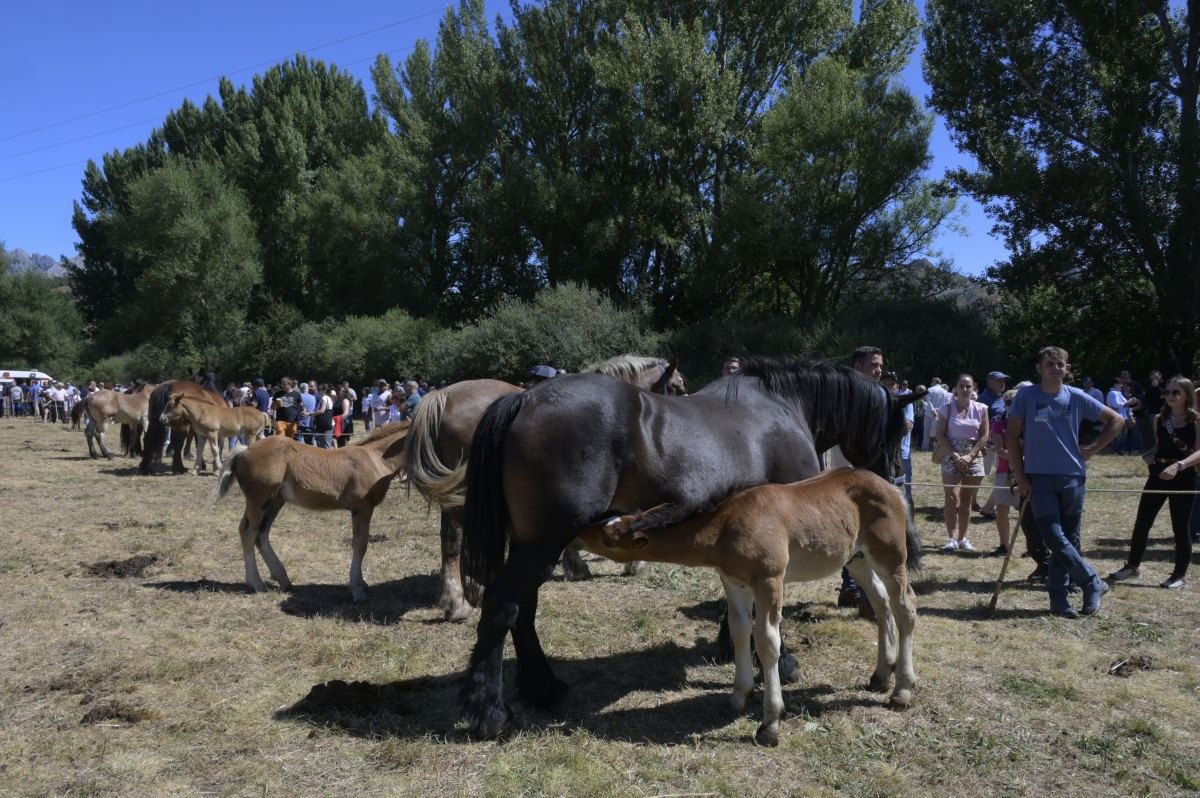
<point x="428" y="705"/>
<point x="386" y="604"/>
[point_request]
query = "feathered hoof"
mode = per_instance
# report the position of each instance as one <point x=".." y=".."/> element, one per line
<point x="767" y="736"/>
<point x="879" y="684"/>
<point x="457" y="613"/>
<point x="635" y="567"/>
<point x="487" y="723"/>
<point x="901" y="699"/>
<point x="789" y="668"/>
<point x="544" y="693"/>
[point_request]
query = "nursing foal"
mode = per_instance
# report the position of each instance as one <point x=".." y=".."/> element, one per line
<point x="763" y="537"/>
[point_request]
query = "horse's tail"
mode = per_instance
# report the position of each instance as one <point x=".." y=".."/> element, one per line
<point x="156" y="431"/>
<point x="912" y="540"/>
<point x="435" y="480"/>
<point x="225" y="478"/>
<point x="485" y="515"/>
<point x="77" y="412"/>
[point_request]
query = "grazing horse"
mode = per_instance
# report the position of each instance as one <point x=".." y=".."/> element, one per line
<point x="546" y="463"/>
<point x="277" y="471"/>
<point x="436" y="460"/>
<point x="212" y="424"/>
<point x="105" y="407"/>
<point x="761" y="538"/>
<point x="206" y="388"/>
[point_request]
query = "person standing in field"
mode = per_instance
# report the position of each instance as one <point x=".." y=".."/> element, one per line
<point x="1174" y="457"/>
<point x="935" y="400"/>
<point x="992" y="396"/>
<point x="287" y="408"/>
<point x="1002" y="496"/>
<point x="963" y="432"/>
<point x="1050" y="469"/>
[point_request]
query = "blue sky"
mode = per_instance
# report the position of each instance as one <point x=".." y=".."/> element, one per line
<point x="66" y="66"/>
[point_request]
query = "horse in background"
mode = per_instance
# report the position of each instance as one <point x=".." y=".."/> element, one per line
<point x="211" y="424"/>
<point x="436" y="460"/>
<point x="278" y="471"/>
<point x="547" y="463"/>
<point x="760" y="539"/>
<point x="102" y="408"/>
<point x="203" y="386"/>
<point x="648" y="373"/>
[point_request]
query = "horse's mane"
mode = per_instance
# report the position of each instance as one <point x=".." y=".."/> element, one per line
<point x="835" y="398"/>
<point x="624" y="367"/>
<point x="384" y="431"/>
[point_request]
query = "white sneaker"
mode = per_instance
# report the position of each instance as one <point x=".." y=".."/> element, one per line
<point x="966" y="545"/>
<point x="951" y="545"/>
<point x="1123" y="574"/>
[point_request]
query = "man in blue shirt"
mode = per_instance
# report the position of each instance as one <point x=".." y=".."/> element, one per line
<point x="1050" y="469"/>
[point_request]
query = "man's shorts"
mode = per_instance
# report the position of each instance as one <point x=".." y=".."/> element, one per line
<point x="1002" y="495"/>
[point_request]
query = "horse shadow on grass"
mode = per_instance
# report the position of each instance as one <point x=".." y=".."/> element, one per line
<point x="386" y="604"/>
<point x="428" y="705"/>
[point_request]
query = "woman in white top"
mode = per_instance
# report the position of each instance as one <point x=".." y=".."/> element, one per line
<point x="962" y="433"/>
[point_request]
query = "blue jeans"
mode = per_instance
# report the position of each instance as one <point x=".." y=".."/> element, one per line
<point x="907" y="463"/>
<point x="1058" y="510"/>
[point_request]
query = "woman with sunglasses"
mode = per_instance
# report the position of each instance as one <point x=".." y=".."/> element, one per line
<point x="1174" y="456"/>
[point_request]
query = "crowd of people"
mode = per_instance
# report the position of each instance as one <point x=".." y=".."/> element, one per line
<point x="46" y="400"/>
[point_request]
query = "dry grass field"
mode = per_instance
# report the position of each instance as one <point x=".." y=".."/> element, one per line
<point x="163" y="677"/>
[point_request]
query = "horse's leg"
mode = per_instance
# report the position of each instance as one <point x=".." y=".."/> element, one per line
<point x="574" y="568"/>
<point x="361" y="522"/>
<point x="904" y="607"/>
<point x="789" y="668"/>
<point x="768" y="600"/>
<point x="248" y="530"/>
<point x="864" y="574"/>
<point x="179" y="438"/>
<point x="535" y="678"/>
<point x="635" y="567"/>
<point x="101" y="428"/>
<point x="739" y="601"/>
<point x="216" y="448"/>
<point x="453" y="602"/>
<point x="482" y="691"/>
<point x="199" y="464"/>
<point x="274" y="565"/>
<point x="89" y="432"/>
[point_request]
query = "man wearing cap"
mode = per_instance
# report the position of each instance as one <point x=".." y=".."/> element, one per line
<point x="993" y="396"/>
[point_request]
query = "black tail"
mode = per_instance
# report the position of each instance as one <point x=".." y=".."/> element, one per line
<point x="912" y="541"/>
<point x="156" y="432"/>
<point x="485" y="516"/>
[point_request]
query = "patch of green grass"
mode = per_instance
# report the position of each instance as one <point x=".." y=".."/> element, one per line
<point x="1036" y="689"/>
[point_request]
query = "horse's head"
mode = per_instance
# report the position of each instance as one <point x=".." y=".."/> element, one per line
<point x="173" y="411"/>
<point x="671" y="381"/>
<point x="893" y="430"/>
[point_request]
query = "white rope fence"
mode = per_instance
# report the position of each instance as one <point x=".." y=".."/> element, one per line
<point x="1086" y="489"/>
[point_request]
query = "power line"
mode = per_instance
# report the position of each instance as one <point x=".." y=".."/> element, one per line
<point x="81" y="138"/>
<point x="218" y="77"/>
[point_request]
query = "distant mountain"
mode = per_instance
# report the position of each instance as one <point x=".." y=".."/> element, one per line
<point x="21" y="261"/>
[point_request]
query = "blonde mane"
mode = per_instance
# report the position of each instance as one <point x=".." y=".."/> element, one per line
<point x="624" y="367"/>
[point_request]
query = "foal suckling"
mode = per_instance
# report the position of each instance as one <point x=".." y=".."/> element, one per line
<point x="763" y="537"/>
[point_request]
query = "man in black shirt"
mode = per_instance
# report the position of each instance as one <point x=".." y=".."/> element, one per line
<point x="287" y="408"/>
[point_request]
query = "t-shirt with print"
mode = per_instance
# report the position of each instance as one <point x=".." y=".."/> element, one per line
<point x="1051" y="428"/>
<point x="287" y="405"/>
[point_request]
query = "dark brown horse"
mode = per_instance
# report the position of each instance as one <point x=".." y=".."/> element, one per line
<point x="203" y="387"/>
<point x="436" y="459"/>
<point x="546" y="463"/>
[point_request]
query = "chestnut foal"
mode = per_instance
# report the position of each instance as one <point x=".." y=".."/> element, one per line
<point x="763" y="537"/>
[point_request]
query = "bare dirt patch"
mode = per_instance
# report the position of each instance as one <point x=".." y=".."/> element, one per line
<point x="115" y="712"/>
<point x="129" y="568"/>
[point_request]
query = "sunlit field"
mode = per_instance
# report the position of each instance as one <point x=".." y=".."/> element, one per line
<point x="161" y="676"/>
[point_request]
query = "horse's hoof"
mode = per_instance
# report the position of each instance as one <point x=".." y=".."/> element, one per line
<point x="579" y="574"/>
<point x="767" y="736"/>
<point x="488" y="723"/>
<point x="901" y="699"/>
<point x="635" y="567"/>
<point x="879" y="684"/>
<point x="789" y="668"/>
<point x="737" y="701"/>
<point x="545" y="693"/>
<point x="358" y="598"/>
<point x="458" y="613"/>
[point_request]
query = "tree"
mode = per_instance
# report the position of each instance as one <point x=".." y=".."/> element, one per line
<point x="191" y="236"/>
<point x="1083" y="118"/>
<point x="39" y="325"/>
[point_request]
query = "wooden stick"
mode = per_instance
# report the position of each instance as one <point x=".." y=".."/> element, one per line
<point x="1012" y="544"/>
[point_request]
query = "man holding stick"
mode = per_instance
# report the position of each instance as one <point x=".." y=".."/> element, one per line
<point x="1051" y="472"/>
